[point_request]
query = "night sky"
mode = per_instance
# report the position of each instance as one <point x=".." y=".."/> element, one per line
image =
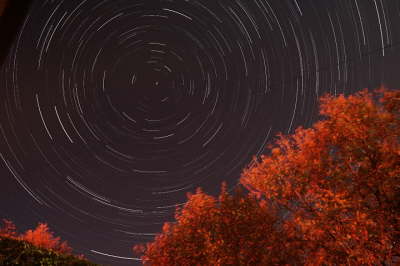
<point x="112" y="110"/>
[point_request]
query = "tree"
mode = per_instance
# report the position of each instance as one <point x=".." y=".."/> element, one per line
<point x="326" y="195"/>
<point x="8" y="229"/>
<point x="229" y="230"/>
<point x="41" y="237"/>
<point x="338" y="183"/>
<point x="18" y="252"/>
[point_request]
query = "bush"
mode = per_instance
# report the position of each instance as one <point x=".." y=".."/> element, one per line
<point x="20" y="252"/>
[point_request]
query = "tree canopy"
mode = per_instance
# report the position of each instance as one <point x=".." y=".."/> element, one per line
<point x="339" y="182"/>
<point x="228" y="230"/>
<point x="35" y="247"/>
<point x="327" y="195"/>
<point x="40" y="237"/>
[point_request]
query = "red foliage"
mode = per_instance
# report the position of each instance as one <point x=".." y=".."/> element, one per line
<point x="8" y="229"/>
<point x="339" y="181"/>
<point x="40" y="237"/>
<point x="326" y="195"/>
<point x="230" y="230"/>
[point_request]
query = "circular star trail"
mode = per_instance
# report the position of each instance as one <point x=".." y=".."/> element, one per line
<point x="111" y="111"/>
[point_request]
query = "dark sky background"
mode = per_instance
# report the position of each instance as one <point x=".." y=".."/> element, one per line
<point x="112" y="110"/>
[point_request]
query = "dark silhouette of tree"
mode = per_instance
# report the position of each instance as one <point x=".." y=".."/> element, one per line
<point x="12" y="15"/>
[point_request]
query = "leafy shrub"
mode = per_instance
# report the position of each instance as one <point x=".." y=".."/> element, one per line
<point x="20" y="252"/>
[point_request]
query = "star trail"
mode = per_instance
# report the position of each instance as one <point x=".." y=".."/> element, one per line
<point x="112" y="110"/>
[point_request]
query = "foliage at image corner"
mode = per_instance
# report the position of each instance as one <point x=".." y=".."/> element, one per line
<point x="20" y="252"/>
<point x="35" y="247"/>
<point x="327" y="195"/>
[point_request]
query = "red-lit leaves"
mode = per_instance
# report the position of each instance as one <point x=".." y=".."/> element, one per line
<point x="328" y="195"/>
<point x="40" y="237"/>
